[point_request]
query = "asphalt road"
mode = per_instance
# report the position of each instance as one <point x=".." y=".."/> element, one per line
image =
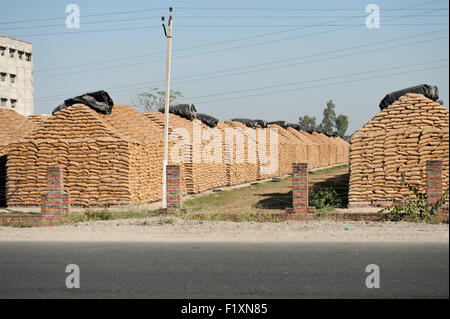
<point x="231" y="270"/>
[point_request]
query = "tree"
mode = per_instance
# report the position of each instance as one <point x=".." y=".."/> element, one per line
<point x="329" y="118"/>
<point x="155" y="99"/>
<point x="307" y="123"/>
<point x="341" y="124"/>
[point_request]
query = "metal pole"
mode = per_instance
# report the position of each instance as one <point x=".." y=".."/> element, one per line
<point x="166" y="109"/>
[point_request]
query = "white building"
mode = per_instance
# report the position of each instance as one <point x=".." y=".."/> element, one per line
<point x="16" y="75"/>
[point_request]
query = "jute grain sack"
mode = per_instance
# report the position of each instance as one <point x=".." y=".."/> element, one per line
<point x="397" y="142"/>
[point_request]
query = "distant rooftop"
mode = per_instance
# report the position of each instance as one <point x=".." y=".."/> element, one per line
<point x="5" y="36"/>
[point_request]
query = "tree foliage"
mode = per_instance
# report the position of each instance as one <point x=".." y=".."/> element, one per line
<point x="341" y="124"/>
<point x="307" y="123"/>
<point x="155" y="99"/>
<point x="329" y="118"/>
<point x="330" y="123"/>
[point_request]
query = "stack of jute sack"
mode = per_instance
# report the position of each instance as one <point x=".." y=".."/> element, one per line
<point x="37" y="118"/>
<point x="105" y="162"/>
<point x="285" y="150"/>
<point x="117" y="158"/>
<point x="301" y="155"/>
<point x="342" y="150"/>
<point x="391" y="150"/>
<point x="13" y="126"/>
<point x="198" y="149"/>
<point x="242" y="152"/>
<point x="313" y="150"/>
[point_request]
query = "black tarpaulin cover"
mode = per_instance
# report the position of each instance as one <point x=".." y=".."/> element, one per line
<point x="207" y="119"/>
<point x="186" y="111"/>
<point x="283" y="124"/>
<point x="430" y="91"/>
<point x="99" y="101"/>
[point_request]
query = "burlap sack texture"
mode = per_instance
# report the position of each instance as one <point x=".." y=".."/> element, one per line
<point x="394" y="146"/>
<point x="198" y="175"/>
<point x="106" y="159"/>
<point x="13" y="126"/>
<point x="117" y="159"/>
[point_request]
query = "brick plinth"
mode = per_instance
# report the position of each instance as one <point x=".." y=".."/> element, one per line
<point x="434" y="182"/>
<point x="56" y="203"/>
<point x="173" y="192"/>
<point x="300" y="188"/>
<point x="300" y="208"/>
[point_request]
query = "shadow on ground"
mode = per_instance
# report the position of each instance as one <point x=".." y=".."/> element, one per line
<point x="280" y="201"/>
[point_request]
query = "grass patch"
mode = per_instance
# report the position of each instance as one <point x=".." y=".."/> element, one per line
<point x="244" y="217"/>
<point x="106" y="214"/>
<point x="19" y="213"/>
<point x="268" y="201"/>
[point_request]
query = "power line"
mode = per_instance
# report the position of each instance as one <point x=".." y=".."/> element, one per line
<point x="199" y="8"/>
<point x="224" y="42"/>
<point x="190" y="55"/>
<point x="85" y="15"/>
<point x="321" y="79"/>
<point x="325" y="85"/>
<point x="224" y="26"/>
<point x="176" y="50"/>
<point x="191" y="78"/>
<point x="89" y="22"/>
<point x="301" y="9"/>
<point x="88" y="31"/>
<point x="187" y="56"/>
<point x="321" y="32"/>
<point x="212" y="17"/>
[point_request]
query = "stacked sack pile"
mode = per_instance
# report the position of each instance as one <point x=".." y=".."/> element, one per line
<point x="117" y="158"/>
<point x="286" y="150"/>
<point x="198" y="175"/>
<point x="313" y="150"/>
<point x="391" y="150"/>
<point x="247" y="170"/>
<point x="13" y="126"/>
<point x="104" y="160"/>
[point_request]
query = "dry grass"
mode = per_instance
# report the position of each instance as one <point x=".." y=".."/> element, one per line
<point x="263" y="201"/>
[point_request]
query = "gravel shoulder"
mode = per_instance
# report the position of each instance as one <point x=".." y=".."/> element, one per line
<point x="172" y="229"/>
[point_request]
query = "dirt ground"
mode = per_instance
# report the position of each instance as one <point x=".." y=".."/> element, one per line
<point x="271" y="197"/>
<point x="172" y="229"/>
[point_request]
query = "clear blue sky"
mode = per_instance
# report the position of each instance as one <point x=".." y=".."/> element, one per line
<point x="273" y="64"/>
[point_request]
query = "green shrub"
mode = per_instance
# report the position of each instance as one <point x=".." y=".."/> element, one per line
<point x="415" y="210"/>
<point x="103" y="214"/>
<point x="324" y="199"/>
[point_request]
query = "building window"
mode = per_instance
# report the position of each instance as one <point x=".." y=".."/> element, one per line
<point x="13" y="78"/>
<point x="3" y="77"/>
<point x="2" y="51"/>
<point x="13" y="103"/>
<point x="28" y="57"/>
<point x="3" y="102"/>
<point x="12" y="52"/>
<point x="20" y="54"/>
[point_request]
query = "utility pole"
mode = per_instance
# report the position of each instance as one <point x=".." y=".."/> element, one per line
<point x="168" y="34"/>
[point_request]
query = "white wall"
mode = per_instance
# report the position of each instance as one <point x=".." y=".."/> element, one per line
<point x="22" y="89"/>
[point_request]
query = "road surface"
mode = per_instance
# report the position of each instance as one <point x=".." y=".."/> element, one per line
<point x="223" y="270"/>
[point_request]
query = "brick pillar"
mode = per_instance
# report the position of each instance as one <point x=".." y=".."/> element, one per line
<point x="173" y="192"/>
<point x="300" y="188"/>
<point x="434" y="182"/>
<point x="300" y="209"/>
<point x="56" y="203"/>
